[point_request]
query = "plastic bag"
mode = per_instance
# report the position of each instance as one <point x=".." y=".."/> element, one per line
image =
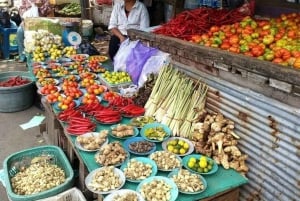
<point x="87" y="48"/>
<point x="153" y="65"/>
<point x="122" y="54"/>
<point x="136" y="60"/>
<point x="31" y="12"/>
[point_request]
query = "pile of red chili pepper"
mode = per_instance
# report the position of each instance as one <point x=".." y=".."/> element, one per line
<point x="132" y="110"/>
<point x="91" y="109"/>
<point x="67" y="114"/>
<point x="198" y="21"/>
<point x="119" y="102"/>
<point x="80" y="125"/>
<point x="108" y="116"/>
<point x="14" y="81"/>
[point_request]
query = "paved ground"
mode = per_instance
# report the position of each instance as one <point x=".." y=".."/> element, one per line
<point x="12" y="137"/>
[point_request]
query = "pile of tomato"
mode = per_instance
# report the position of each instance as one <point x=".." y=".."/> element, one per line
<point x="276" y="39"/>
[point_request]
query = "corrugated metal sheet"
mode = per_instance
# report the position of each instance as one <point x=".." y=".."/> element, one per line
<point x="270" y="135"/>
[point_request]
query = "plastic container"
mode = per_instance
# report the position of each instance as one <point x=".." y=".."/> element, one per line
<point x="8" y="41"/>
<point x="72" y="194"/>
<point x="57" y="156"/>
<point x="87" y="28"/>
<point x="18" y="98"/>
<point x="191" y="4"/>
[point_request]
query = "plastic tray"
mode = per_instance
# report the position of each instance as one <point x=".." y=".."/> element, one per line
<point x="72" y="194"/>
<point x="59" y="158"/>
<point x="113" y="87"/>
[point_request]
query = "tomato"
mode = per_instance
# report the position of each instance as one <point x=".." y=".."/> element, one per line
<point x="257" y="51"/>
<point x="225" y="46"/>
<point x="234" y="39"/>
<point x="283" y="54"/>
<point x="296" y="63"/>
<point x="214" y="29"/>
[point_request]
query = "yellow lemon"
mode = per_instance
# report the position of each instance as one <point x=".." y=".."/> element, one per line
<point x="182" y="151"/>
<point x="186" y="145"/>
<point x="181" y="142"/>
<point x="203" y="158"/>
<point x="191" y="164"/>
<point x="170" y="148"/>
<point x="41" y="54"/>
<point x="193" y="159"/>
<point x="203" y="164"/>
<point x="175" y="151"/>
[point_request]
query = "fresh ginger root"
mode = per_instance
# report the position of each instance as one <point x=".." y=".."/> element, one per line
<point x="214" y="137"/>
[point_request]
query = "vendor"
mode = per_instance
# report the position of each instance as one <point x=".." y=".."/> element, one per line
<point x="29" y="8"/>
<point x="130" y="14"/>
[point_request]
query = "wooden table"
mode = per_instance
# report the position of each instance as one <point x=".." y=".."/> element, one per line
<point x="222" y="186"/>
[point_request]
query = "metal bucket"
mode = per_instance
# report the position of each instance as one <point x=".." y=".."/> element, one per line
<point x="18" y="98"/>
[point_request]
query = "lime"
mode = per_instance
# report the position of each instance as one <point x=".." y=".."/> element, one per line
<point x="182" y="151"/>
<point x="211" y="162"/>
<point x="209" y="167"/>
<point x="203" y="163"/>
<point x="205" y="170"/>
<point x="200" y="170"/>
<point x="191" y="164"/>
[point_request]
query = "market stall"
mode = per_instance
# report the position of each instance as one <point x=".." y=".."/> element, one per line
<point x="231" y="116"/>
<point x="67" y="137"/>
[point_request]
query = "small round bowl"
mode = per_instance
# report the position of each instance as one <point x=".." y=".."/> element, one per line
<point x="176" y="171"/>
<point x="156" y="125"/>
<point x="138" y="139"/>
<point x="145" y="161"/>
<point x="174" y="189"/>
<point x="186" y="159"/>
<point x="189" y="151"/>
<point x="89" y="179"/>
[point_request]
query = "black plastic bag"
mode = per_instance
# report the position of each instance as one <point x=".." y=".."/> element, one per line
<point x="87" y="48"/>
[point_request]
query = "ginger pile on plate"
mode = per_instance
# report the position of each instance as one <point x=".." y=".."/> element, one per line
<point x="213" y="136"/>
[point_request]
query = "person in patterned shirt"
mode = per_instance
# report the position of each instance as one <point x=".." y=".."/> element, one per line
<point x="26" y="10"/>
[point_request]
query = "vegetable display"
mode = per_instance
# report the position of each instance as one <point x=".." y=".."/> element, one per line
<point x="141" y="121"/>
<point x="122" y="130"/>
<point x="39" y="176"/>
<point x="14" y="81"/>
<point x="68" y="114"/>
<point x="187" y="181"/>
<point x="198" y="21"/>
<point x="141" y="146"/>
<point x="80" y="125"/>
<point x="105" y="179"/>
<point x="175" y="100"/>
<point x="273" y="39"/>
<point x="157" y="133"/>
<point x="93" y="142"/>
<point x="111" y="154"/>
<point x="213" y="136"/>
<point x="165" y="160"/>
<point x="137" y="170"/>
<point x="70" y="9"/>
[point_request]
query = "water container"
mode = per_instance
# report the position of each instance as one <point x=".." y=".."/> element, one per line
<point x="18" y="98"/>
<point x="191" y="4"/>
<point x="87" y="28"/>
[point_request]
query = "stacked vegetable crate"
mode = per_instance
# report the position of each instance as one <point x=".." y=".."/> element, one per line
<point x="17" y="161"/>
